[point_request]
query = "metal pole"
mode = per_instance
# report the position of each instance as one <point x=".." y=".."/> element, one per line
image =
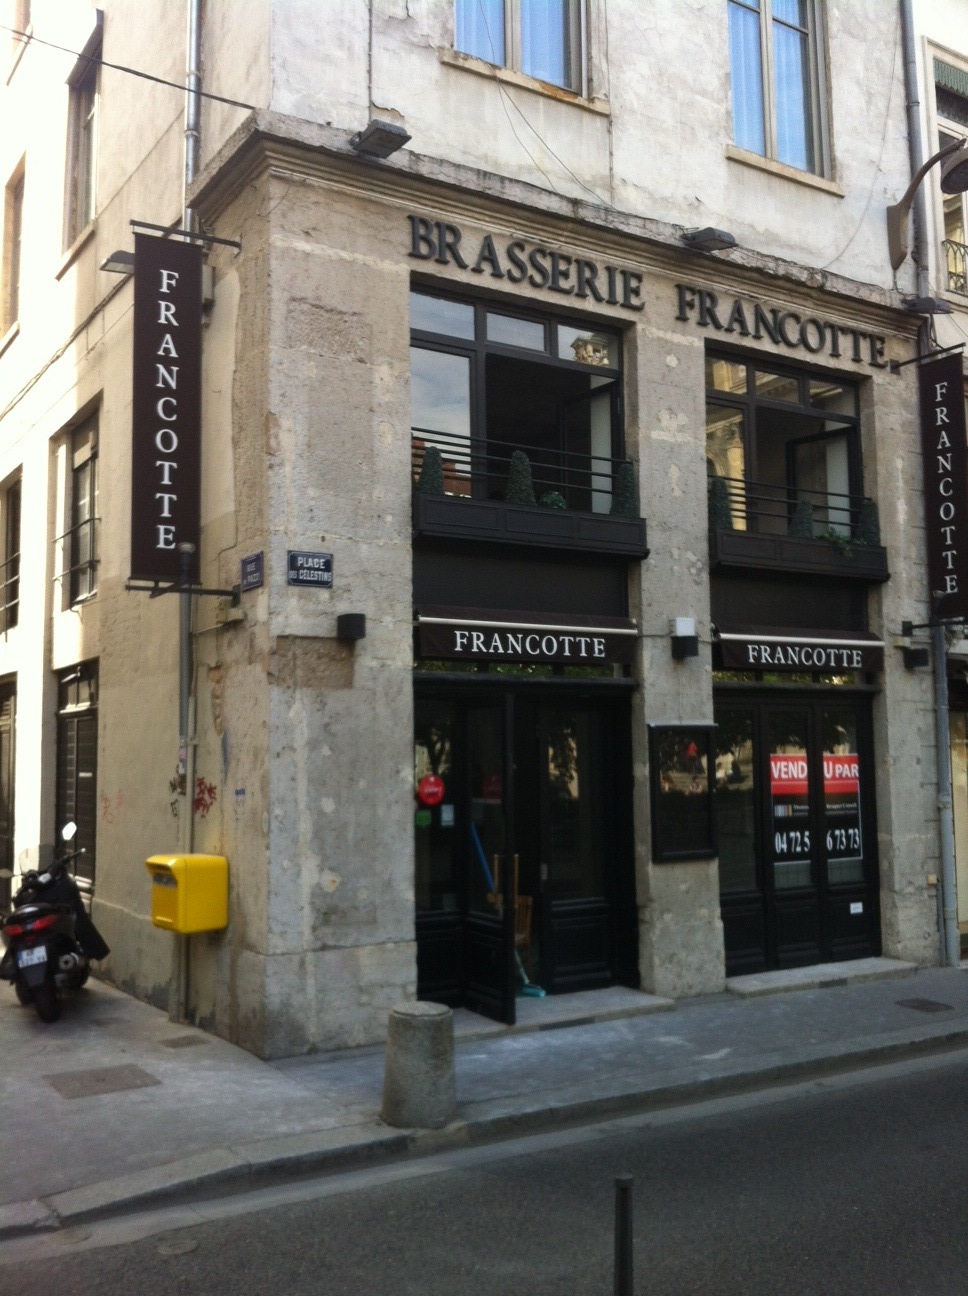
<point x="950" y="934"/>
<point x="178" y="987"/>
<point x="915" y="151"/>
<point x="193" y="103"/>
<point x="185" y="737"/>
<point x="623" y="1235"/>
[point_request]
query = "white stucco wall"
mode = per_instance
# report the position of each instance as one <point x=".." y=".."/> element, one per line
<point x="651" y="138"/>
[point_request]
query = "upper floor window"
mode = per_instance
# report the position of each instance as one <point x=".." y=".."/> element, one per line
<point x="786" y="446"/>
<point x="83" y="533"/>
<point x="10" y="587"/>
<point x="541" y="38"/>
<point x="76" y="795"/>
<point x="776" y="70"/>
<point x="13" y="226"/>
<point x="82" y="141"/>
<point x="951" y="97"/>
<point x="520" y="406"/>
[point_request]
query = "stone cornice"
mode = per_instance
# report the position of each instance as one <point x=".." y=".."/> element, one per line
<point x="272" y="143"/>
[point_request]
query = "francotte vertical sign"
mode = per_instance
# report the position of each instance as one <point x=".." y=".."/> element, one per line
<point x="166" y="407"/>
<point x="945" y="458"/>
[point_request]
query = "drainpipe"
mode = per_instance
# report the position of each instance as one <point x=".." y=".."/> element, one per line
<point x="951" y="939"/>
<point x="193" y="102"/>
<point x="915" y="151"/>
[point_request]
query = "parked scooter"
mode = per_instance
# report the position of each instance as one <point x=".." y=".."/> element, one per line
<point x="49" y="935"/>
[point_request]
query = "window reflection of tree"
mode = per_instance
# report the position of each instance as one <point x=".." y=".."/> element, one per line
<point x="563" y="756"/>
<point x="432" y="750"/>
<point x="734" y="751"/>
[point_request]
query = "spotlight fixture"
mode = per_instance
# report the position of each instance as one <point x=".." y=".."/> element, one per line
<point x="927" y="306"/>
<point x="379" y="139"/>
<point x="119" y="263"/>
<point x="708" y="239"/>
<point x="351" y="626"/>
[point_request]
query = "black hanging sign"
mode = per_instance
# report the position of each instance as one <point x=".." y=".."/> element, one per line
<point x="945" y="459"/>
<point x="166" y="408"/>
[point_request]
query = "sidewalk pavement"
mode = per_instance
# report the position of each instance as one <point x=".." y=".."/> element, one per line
<point x="114" y="1106"/>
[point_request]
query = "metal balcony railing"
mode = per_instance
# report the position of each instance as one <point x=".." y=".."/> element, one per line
<point x="956" y="260"/>
<point x="9" y="593"/>
<point x="81" y="544"/>
<point x="770" y="509"/>
<point x="479" y="470"/>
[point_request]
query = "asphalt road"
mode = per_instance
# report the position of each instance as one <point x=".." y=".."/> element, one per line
<point x="848" y="1186"/>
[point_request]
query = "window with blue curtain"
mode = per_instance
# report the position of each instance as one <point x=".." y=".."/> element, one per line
<point x="541" y="38"/>
<point x="775" y="69"/>
<point x="479" y="29"/>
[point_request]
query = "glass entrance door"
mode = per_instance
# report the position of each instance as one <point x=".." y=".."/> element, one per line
<point x="583" y="894"/>
<point x="798" y="869"/>
<point x="524" y="857"/>
<point x="489" y="972"/>
<point x="464" y="887"/>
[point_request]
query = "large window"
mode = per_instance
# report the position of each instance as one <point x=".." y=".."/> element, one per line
<point x="785" y="447"/>
<point x="542" y="38"/>
<point x="776" y="70"/>
<point x="83" y="534"/>
<point x="82" y="142"/>
<point x="951" y="97"/>
<point x="13" y="226"/>
<point x="10" y="582"/>
<point x="500" y="394"/>
<point x="77" y="761"/>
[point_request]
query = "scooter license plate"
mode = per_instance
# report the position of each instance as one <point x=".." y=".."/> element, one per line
<point x="28" y="957"/>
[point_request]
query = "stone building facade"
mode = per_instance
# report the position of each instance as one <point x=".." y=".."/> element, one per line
<point x="645" y="725"/>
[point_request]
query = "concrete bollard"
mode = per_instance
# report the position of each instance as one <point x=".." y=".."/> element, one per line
<point x="419" y="1089"/>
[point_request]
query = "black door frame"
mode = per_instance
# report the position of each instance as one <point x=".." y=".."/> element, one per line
<point x="439" y="929"/>
<point x="824" y="904"/>
<point x="8" y="766"/>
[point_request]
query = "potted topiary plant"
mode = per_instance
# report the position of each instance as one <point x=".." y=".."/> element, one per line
<point x="520" y="489"/>
<point x="720" y="512"/>
<point x="868" y="529"/>
<point x="553" y="499"/>
<point x="801" y="524"/>
<point x="624" y="498"/>
<point x="431" y="479"/>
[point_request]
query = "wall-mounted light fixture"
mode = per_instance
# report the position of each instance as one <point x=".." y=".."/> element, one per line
<point x="708" y="239"/>
<point x="927" y="306"/>
<point x="685" y="640"/>
<point x="119" y="263"/>
<point x="912" y="655"/>
<point x="380" y="138"/>
<point x="954" y="180"/>
<point x="350" y="626"/>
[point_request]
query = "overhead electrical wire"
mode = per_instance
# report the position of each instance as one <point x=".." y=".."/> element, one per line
<point x="31" y="39"/>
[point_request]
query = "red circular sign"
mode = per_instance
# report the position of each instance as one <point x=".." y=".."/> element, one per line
<point x="430" y="790"/>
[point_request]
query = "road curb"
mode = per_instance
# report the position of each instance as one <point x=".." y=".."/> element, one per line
<point x="246" y="1167"/>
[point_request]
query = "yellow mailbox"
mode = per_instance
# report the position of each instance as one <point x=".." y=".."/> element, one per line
<point x="189" y="893"/>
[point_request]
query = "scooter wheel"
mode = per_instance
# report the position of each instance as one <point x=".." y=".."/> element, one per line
<point x="47" y="1003"/>
<point x="23" y="993"/>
